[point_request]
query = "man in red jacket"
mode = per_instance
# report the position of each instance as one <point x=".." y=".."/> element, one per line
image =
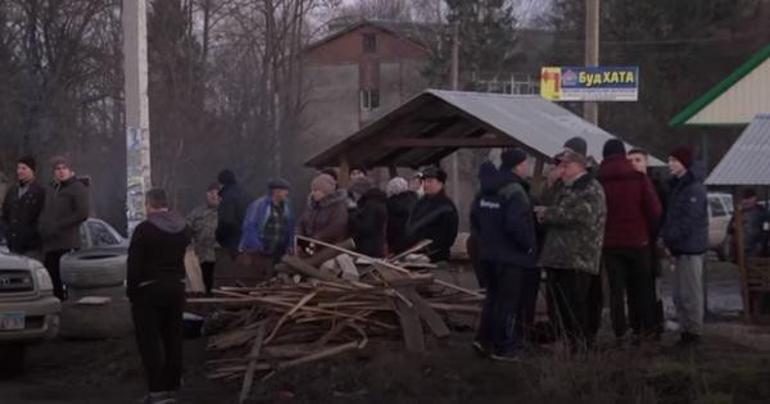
<point x="633" y="214"/>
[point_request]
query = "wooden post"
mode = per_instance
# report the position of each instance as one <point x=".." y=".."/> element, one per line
<point x="538" y="181"/>
<point x="344" y="176"/>
<point x="741" y="257"/>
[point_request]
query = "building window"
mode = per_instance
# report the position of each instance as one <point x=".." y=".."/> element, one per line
<point x="370" y="99"/>
<point x="370" y="43"/>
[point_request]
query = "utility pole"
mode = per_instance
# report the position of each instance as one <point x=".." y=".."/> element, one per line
<point x="591" y="109"/>
<point x="138" y="179"/>
<point x="455" y="86"/>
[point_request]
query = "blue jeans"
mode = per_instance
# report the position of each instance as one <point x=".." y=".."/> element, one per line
<point x="501" y="308"/>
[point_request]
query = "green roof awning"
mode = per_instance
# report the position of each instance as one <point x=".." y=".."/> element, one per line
<point x="711" y="95"/>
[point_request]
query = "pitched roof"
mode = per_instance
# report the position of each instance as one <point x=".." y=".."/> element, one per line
<point x="717" y="91"/>
<point x="747" y="162"/>
<point x="436" y="123"/>
<point x="406" y="30"/>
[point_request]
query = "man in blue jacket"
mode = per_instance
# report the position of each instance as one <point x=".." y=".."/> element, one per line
<point x="268" y="228"/>
<point x="685" y="234"/>
<point x="503" y="219"/>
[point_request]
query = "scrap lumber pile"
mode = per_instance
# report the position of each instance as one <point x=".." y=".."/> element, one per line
<point x="287" y="322"/>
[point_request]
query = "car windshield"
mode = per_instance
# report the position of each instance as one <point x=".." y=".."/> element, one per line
<point x="101" y="236"/>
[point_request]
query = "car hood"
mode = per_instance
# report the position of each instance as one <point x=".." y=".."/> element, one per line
<point x="13" y="261"/>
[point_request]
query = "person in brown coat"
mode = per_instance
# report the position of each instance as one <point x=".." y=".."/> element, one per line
<point x="326" y="215"/>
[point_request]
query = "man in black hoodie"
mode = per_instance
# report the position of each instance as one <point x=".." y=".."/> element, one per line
<point x="156" y="289"/>
<point x="231" y="211"/>
<point x="503" y="219"/>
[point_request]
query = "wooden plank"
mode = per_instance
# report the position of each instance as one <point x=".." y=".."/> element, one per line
<point x="248" y="377"/>
<point x="432" y="319"/>
<point x="193" y="276"/>
<point x="308" y="270"/>
<point x="411" y="327"/>
<point x="417" y="247"/>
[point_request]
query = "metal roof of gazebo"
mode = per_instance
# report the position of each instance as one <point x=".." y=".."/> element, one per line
<point x="436" y="123"/>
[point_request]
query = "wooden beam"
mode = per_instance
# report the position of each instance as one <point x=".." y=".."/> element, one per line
<point x="445" y="142"/>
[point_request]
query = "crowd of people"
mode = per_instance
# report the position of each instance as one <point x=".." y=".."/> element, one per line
<point x="585" y="221"/>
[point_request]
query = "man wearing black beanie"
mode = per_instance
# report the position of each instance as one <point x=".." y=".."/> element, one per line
<point x="503" y="219"/>
<point x="21" y="210"/>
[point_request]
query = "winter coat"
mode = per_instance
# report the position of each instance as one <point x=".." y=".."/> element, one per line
<point x="19" y="217"/>
<point x="203" y="225"/>
<point x="327" y="219"/>
<point x="399" y="206"/>
<point x="685" y="229"/>
<point x="156" y="252"/>
<point x="230" y="214"/>
<point x="633" y="208"/>
<point x="254" y="223"/>
<point x="368" y="223"/>
<point x="66" y="207"/>
<point x="434" y="217"/>
<point x="575" y="227"/>
<point x="503" y="220"/>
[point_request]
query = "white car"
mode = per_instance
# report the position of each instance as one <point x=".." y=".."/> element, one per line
<point x="29" y="312"/>
<point x="720" y="211"/>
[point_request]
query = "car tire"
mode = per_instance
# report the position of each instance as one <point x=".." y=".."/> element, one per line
<point x="93" y="269"/>
<point x="12" y="360"/>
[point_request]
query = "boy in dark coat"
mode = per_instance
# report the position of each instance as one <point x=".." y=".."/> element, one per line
<point x="21" y="209"/>
<point x="685" y="234"/>
<point x="156" y="289"/>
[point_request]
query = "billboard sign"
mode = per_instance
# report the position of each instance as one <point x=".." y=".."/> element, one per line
<point x="597" y="83"/>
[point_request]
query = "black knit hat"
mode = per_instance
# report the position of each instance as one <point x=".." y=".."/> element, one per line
<point x="512" y="157"/>
<point x="28" y="161"/>
<point x="578" y="145"/>
<point x="614" y="147"/>
<point x="434" y="172"/>
<point x="226" y="177"/>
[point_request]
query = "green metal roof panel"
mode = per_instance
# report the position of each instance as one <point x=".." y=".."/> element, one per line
<point x="706" y="99"/>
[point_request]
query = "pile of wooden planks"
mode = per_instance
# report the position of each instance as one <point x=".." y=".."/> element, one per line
<point x="285" y="323"/>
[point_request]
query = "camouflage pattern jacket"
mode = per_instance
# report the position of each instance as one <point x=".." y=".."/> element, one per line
<point x="575" y="227"/>
<point x="203" y="222"/>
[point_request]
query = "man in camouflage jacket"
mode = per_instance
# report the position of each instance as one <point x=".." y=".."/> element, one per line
<point x="571" y="253"/>
<point x="203" y="223"/>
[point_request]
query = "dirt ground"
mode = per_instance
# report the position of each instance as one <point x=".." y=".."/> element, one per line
<point x="723" y="369"/>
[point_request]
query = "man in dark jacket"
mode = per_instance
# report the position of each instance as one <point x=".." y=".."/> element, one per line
<point x="66" y="207"/>
<point x="400" y="202"/>
<point x="156" y="289"/>
<point x="755" y="221"/>
<point x="234" y="201"/>
<point x="633" y="214"/>
<point x="434" y="217"/>
<point x="685" y="234"/>
<point x="640" y="160"/>
<point x="368" y="221"/>
<point x="21" y="210"/>
<point x="505" y="225"/>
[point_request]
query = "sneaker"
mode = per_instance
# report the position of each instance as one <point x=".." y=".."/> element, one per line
<point x="511" y="357"/>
